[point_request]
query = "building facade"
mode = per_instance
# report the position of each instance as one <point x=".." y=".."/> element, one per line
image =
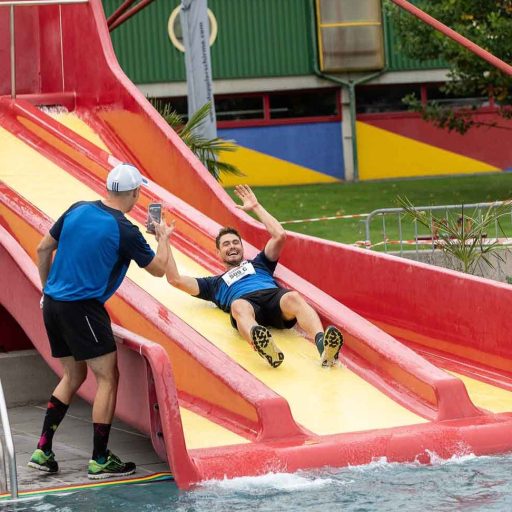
<point x="292" y="124"/>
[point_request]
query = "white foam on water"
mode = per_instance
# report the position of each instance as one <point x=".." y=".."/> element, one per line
<point x="277" y="481"/>
<point x="463" y="455"/>
<point x="457" y="458"/>
<point x="376" y="463"/>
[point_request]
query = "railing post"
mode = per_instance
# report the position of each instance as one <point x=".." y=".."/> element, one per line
<point x="13" y="54"/>
<point x="61" y="49"/>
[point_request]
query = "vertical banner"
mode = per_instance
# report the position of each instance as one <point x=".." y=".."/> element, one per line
<point x="196" y="40"/>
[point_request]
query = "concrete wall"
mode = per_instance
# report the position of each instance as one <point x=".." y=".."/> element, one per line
<point x="26" y="378"/>
<point x="500" y="270"/>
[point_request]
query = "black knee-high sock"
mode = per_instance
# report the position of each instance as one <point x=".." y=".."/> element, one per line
<point x="101" y="434"/>
<point x="54" y="415"/>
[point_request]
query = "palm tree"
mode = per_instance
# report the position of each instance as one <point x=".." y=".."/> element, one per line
<point x="207" y="150"/>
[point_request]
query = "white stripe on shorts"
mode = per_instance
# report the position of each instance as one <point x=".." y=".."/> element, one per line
<point x="90" y="327"/>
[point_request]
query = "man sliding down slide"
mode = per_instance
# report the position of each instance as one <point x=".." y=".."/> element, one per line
<point x="248" y="291"/>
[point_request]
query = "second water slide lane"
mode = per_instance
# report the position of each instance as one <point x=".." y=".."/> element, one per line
<point x="239" y="415"/>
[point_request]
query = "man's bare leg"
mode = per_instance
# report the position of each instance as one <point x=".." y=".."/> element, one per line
<point x="243" y="313"/>
<point x="257" y="335"/>
<point x="73" y="377"/>
<point x="103" y="463"/>
<point x="107" y="377"/>
<point x="294" y="306"/>
<point x="75" y="372"/>
<point x="328" y="343"/>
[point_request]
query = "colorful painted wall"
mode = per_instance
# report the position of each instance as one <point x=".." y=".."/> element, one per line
<point x="402" y="145"/>
<point x="286" y="154"/>
<point x="391" y="145"/>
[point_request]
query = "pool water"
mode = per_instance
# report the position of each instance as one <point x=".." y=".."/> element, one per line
<point x="465" y="483"/>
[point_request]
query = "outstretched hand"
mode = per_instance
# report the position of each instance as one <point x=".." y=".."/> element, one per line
<point x="163" y="229"/>
<point x="247" y="196"/>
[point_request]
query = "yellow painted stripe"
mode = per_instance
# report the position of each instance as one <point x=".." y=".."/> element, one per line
<point x="383" y="154"/>
<point x="325" y="401"/>
<point x="260" y="169"/>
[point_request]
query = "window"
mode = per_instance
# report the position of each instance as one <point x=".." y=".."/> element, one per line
<point x="239" y="107"/>
<point x="178" y="104"/>
<point x="303" y="104"/>
<point x="255" y="109"/>
<point x="371" y="99"/>
<point x="453" y="100"/>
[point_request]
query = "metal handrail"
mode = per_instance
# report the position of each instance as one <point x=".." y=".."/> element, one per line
<point x="21" y="3"/>
<point x="3" y="468"/>
<point x="9" y="444"/>
<point x="384" y="211"/>
<point x="41" y="2"/>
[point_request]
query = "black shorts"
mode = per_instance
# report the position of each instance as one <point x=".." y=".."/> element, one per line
<point x="79" y="328"/>
<point x="266" y="308"/>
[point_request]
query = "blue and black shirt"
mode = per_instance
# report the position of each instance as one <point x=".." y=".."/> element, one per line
<point x="250" y="276"/>
<point x="96" y="245"/>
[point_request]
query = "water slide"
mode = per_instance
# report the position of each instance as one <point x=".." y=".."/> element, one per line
<point x="212" y="407"/>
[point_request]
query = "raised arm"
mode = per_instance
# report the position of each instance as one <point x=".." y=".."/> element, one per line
<point x="185" y="283"/>
<point x="277" y="233"/>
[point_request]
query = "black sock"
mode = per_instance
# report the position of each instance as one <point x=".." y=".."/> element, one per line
<point x="319" y="342"/>
<point x="101" y="434"/>
<point x="55" y="413"/>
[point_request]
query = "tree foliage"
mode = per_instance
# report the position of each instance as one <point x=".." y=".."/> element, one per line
<point x="488" y="23"/>
<point x="207" y="150"/>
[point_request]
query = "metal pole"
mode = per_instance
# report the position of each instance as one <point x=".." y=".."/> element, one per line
<point x="447" y="31"/>
<point x="349" y="84"/>
<point x="128" y="14"/>
<point x="61" y="49"/>
<point x="13" y="55"/>
<point x="353" y="128"/>
<point x="3" y="467"/>
<point x="120" y="10"/>
<point x="10" y="445"/>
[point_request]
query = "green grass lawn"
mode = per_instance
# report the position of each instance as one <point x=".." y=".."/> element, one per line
<point x="307" y="201"/>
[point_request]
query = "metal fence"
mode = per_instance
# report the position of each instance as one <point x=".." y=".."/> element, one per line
<point x="389" y="229"/>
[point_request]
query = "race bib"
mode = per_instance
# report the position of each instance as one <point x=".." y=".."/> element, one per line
<point x="237" y="273"/>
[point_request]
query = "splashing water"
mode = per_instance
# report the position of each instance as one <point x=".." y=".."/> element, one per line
<point x="461" y="483"/>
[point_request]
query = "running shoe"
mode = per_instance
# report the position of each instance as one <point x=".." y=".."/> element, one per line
<point x="333" y="341"/>
<point x="43" y="462"/>
<point x="112" y="467"/>
<point x="265" y="346"/>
